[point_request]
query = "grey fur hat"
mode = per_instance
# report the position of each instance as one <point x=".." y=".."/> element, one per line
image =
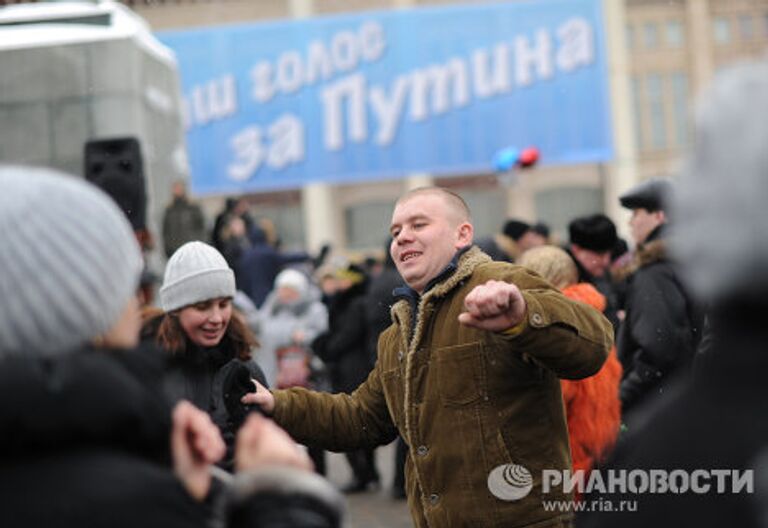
<point x="69" y="262"/>
<point x="721" y="236"/>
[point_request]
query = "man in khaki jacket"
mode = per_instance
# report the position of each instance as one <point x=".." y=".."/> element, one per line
<point x="467" y="374"/>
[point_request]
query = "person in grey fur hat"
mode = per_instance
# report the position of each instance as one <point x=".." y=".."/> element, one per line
<point x="88" y="436"/>
<point x="716" y="420"/>
<point x="72" y="415"/>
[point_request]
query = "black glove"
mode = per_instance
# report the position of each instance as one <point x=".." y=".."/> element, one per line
<point x="320" y="258"/>
<point x="238" y="383"/>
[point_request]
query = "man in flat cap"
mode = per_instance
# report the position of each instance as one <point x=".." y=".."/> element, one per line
<point x="659" y="335"/>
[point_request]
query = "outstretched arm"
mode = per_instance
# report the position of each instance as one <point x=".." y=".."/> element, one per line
<point x="337" y="422"/>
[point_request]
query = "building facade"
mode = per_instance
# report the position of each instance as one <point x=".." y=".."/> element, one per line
<point x="661" y="54"/>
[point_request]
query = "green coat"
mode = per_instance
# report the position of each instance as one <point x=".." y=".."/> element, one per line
<point x="466" y="401"/>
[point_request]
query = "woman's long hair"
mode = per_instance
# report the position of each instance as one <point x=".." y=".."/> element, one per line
<point x="170" y="336"/>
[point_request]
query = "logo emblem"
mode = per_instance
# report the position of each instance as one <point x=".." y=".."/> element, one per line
<point x="510" y="482"/>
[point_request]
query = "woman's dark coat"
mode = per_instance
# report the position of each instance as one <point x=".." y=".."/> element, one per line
<point x="85" y="442"/>
<point x="344" y="346"/>
<point x="203" y="376"/>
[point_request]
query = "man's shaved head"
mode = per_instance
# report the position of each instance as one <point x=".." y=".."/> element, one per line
<point x="456" y="203"/>
<point x="429" y="225"/>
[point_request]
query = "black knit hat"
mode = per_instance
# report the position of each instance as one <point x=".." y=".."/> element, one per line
<point x="541" y="228"/>
<point x="515" y="229"/>
<point x="595" y="232"/>
<point x="651" y="195"/>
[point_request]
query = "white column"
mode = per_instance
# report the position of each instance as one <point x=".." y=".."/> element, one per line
<point x="320" y="216"/>
<point x="622" y="173"/>
<point x="416" y="180"/>
<point x="521" y="201"/>
<point x="301" y="8"/>
<point x="699" y="35"/>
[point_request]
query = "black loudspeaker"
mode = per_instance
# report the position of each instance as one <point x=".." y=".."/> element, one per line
<point x="115" y="165"/>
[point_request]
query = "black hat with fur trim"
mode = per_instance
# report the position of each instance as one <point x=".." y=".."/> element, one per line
<point x="595" y="232"/>
<point x="515" y="229"/>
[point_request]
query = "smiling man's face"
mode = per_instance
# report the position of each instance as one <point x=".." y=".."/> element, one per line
<point x="427" y="230"/>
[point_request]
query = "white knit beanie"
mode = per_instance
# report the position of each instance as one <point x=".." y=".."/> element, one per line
<point x="291" y="278"/>
<point x="69" y="261"/>
<point x="195" y="272"/>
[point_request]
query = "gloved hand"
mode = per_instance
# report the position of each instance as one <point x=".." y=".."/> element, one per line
<point x="237" y="383"/>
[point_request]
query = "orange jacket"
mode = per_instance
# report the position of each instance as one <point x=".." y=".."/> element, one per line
<point x="592" y="404"/>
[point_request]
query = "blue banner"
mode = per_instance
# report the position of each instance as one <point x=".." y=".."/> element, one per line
<point x="382" y="94"/>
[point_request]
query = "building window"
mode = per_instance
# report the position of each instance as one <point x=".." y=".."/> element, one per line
<point x="650" y="35"/>
<point x="367" y="224"/>
<point x="679" y="81"/>
<point x="746" y="27"/>
<point x="655" y="88"/>
<point x="630" y="35"/>
<point x="722" y="30"/>
<point x="637" y="108"/>
<point x="288" y="221"/>
<point x="557" y="207"/>
<point x="675" y="34"/>
<point x="489" y="209"/>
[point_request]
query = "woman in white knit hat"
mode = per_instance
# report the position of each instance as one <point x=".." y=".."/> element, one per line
<point x="209" y="342"/>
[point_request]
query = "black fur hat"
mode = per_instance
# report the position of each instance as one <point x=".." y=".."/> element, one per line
<point x="515" y="229"/>
<point x="595" y="232"/>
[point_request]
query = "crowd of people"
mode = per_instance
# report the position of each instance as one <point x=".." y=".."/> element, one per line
<point x="479" y="356"/>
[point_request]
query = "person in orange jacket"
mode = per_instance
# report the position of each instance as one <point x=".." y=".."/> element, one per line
<point x="592" y="405"/>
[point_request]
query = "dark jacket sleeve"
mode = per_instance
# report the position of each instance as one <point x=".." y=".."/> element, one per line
<point x="292" y="257"/>
<point x="96" y="398"/>
<point x="283" y="497"/>
<point x="657" y="337"/>
<point x="347" y="335"/>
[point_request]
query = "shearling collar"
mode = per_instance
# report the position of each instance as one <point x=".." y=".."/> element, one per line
<point x="408" y="293"/>
<point x="651" y="252"/>
<point x="468" y="261"/>
<point x="410" y="321"/>
<point x="654" y="249"/>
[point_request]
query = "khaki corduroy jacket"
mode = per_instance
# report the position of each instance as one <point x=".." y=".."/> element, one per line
<point x="466" y="401"/>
